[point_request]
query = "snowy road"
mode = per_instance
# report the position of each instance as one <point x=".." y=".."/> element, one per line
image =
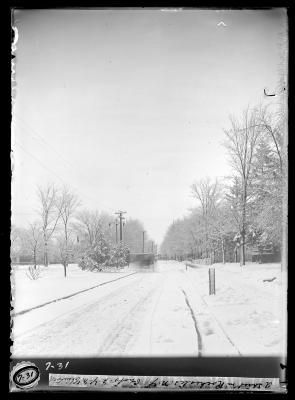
<point x="160" y="313"/>
<point x="143" y="314"/>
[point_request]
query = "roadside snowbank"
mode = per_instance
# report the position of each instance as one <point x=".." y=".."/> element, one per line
<point x="52" y="284"/>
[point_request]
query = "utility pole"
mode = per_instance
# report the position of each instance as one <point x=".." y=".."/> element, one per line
<point x="120" y="213"/>
<point x="143" y="232"/>
<point x="117" y="223"/>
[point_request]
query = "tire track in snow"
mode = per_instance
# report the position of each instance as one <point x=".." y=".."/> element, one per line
<point x="126" y="328"/>
<point x="49" y="338"/>
<point x="76" y="311"/>
<point x="216" y="320"/>
<point x="222" y="328"/>
<point x="153" y="314"/>
<point x="195" y="323"/>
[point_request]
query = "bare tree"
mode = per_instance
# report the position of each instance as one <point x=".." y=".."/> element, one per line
<point x="90" y="227"/>
<point x="49" y="214"/>
<point x="208" y="193"/>
<point x="35" y="240"/>
<point x="272" y="125"/>
<point x="67" y="204"/>
<point x="241" y="143"/>
<point x="32" y="237"/>
<point x="222" y="229"/>
<point x="15" y="242"/>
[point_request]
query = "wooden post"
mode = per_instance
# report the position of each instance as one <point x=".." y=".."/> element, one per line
<point x="211" y="281"/>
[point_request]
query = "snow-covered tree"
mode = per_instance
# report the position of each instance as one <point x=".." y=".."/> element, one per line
<point x="67" y="203"/>
<point x="96" y="240"/>
<point x="268" y="193"/>
<point x="209" y="194"/>
<point x="241" y="143"/>
<point x="15" y="242"/>
<point x="119" y="255"/>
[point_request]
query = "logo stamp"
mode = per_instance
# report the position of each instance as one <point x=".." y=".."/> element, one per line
<point x="25" y="375"/>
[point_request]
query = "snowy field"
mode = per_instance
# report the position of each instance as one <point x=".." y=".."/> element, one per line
<point x="161" y="313"/>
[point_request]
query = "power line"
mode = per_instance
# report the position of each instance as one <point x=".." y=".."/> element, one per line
<point x="30" y="154"/>
<point x="45" y="143"/>
<point x="52" y="172"/>
<point x="62" y="158"/>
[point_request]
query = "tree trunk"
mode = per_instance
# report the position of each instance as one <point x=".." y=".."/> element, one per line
<point x="45" y="254"/>
<point x="242" y="251"/>
<point x="260" y="256"/>
<point x="223" y="252"/>
<point x="242" y="258"/>
<point x="65" y="270"/>
<point x="35" y="259"/>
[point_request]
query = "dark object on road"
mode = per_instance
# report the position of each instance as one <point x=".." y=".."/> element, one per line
<point x="143" y="260"/>
<point x="269" y="280"/>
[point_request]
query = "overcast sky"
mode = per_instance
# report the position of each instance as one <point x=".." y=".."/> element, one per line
<point x="128" y="107"/>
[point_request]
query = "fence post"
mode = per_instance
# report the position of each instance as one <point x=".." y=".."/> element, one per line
<point x="211" y="281"/>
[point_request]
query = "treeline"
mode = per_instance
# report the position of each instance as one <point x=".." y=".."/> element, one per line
<point x="244" y="210"/>
<point x="65" y="232"/>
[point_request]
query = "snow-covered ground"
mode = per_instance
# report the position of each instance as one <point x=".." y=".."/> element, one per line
<point x="52" y="284"/>
<point x="249" y="304"/>
<point x="165" y="312"/>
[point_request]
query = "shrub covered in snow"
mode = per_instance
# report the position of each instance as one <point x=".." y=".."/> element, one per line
<point x="33" y="272"/>
<point x="100" y="252"/>
<point x="86" y="263"/>
<point x="119" y="255"/>
<point x="104" y="257"/>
